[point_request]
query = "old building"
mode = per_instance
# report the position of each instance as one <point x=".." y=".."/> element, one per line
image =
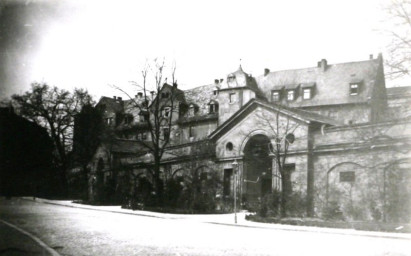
<point x="347" y="139"/>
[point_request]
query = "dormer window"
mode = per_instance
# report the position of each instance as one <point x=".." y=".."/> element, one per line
<point x="213" y="107"/>
<point x="290" y="95"/>
<point x="275" y="96"/>
<point x="354" y="89"/>
<point x="308" y="90"/>
<point x="192" y="110"/>
<point x="307" y="93"/>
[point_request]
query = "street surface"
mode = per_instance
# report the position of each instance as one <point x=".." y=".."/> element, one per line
<point x="74" y="231"/>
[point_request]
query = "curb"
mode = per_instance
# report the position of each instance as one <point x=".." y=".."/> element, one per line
<point x="43" y="245"/>
<point x="333" y="231"/>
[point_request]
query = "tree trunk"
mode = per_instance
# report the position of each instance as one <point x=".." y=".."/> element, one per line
<point x="158" y="184"/>
<point x="286" y="191"/>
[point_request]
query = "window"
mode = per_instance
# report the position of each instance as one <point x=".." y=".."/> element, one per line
<point x="166" y="112"/>
<point x="213" y="107"/>
<point x="231" y="78"/>
<point x="275" y="96"/>
<point x="290" y="95"/>
<point x="191" y="110"/>
<point x="141" y="136"/>
<point x="232" y="97"/>
<point x="109" y="121"/>
<point x="227" y="182"/>
<point x="307" y="93"/>
<point x="215" y="92"/>
<point x="229" y="146"/>
<point x="166" y="133"/>
<point x="353" y="89"/>
<point x="165" y="95"/>
<point x="190" y="131"/>
<point x="143" y="117"/>
<point x="347" y="176"/>
<point x="128" y="119"/>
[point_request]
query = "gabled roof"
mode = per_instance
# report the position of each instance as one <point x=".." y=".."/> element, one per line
<point x="331" y="84"/>
<point x="110" y="104"/>
<point x="298" y="114"/>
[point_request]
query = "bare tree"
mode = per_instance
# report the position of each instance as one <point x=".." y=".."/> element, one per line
<point x="281" y="133"/>
<point x="399" y="50"/>
<point x="160" y="109"/>
<point x="54" y="109"/>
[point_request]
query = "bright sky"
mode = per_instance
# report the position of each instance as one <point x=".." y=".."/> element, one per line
<point x="98" y="43"/>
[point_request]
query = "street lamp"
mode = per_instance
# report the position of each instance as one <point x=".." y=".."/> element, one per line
<point x="235" y="165"/>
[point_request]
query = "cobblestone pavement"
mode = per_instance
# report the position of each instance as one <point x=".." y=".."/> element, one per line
<point x="76" y="231"/>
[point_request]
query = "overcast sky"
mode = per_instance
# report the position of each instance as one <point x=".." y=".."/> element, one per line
<point x="93" y="44"/>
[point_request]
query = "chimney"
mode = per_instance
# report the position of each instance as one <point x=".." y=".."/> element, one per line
<point x="114" y="97"/>
<point x="175" y="84"/>
<point x="266" y="71"/>
<point x="140" y="95"/>
<point x="221" y="80"/>
<point x="119" y="99"/>
<point x="216" y="81"/>
<point x="322" y="64"/>
<point x="371" y="57"/>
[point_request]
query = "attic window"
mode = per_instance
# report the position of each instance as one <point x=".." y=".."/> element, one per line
<point x="354" y="89"/>
<point x="307" y="93"/>
<point x="290" y="95"/>
<point x="192" y="110"/>
<point x="275" y="96"/>
<point x="165" y="95"/>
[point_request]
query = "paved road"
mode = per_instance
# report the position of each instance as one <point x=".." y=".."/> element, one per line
<point x="73" y="231"/>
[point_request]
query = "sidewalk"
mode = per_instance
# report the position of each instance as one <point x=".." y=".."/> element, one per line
<point x="224" y="219"/>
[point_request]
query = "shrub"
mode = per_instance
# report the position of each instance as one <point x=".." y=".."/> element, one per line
<point x="332" y="211"/>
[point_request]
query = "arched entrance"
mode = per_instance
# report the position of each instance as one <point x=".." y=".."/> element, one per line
<point x="257" y="168"/>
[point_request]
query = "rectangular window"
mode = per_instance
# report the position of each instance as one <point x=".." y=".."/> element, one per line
<point x="307" y="93"/>
<point x="275" y="96"/>
<point x="232" y="97"/>
<point x="290" y="95"/>
<point x="227" y="181"/>
<point x="166" y="133"/>
<point x="164" y="95"/>
<point x="190" y="132"/>
<point x="347" y="176"/>
<point x="166" y="111"/>
<point x="353" y="89"/>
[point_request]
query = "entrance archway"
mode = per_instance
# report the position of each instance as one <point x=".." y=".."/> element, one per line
<point x="257" y="168"/>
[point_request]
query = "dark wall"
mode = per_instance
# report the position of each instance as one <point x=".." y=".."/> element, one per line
<point x="25" y="157"/>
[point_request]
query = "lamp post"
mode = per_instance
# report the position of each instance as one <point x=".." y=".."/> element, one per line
<point x="235" y="165"/>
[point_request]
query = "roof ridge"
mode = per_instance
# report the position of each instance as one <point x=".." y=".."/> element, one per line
<point x="334" y="64"/>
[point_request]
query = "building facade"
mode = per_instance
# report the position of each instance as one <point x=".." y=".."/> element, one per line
<point x="347" y="136"/>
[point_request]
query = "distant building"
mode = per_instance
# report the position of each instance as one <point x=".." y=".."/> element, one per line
<point x="350" y="135"/>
